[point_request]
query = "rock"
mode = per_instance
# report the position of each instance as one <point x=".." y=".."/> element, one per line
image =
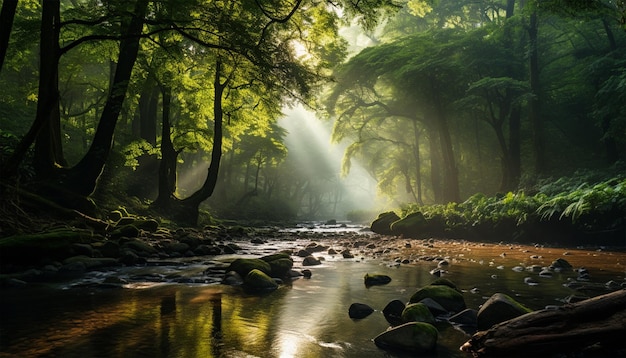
<point x="179" y="247"/>
<point x="445" y="282"/>
<point x="243" y="266"/>
<point x="91" y="263"/>
<point x="303" y="253"/>
<point x="382" y="224"/>
<point x="280" y="267"/>
<point x="347" y="254"/>
<point x="232" y="278"/>
<point x="414" y="337"/>
<point x="545" y="273"/>
<point x="129" y="258"/>
<point x="449" y="298"/>
<point x="499" y="308"/>
<point x="376" y="279"/>
<point x="467" y="317"/>
<point x="560" y="265"/>
<point x="332" y="251"/>
<point x="82" y="249"/>
<point x="530" y="281"/>
<point x="110" y="249"/>
<point x="139" y="247"/>
<point x="258" y="281"/>
<point x="417" y="312"/>
<point x="413" y="225"/>
<point x="307" y="273"/>
<point x="124" y="231"/>
<point x="435" y="308"/>
<point x="311" y="261"/>
<point x="393" y="312"/>
<point x="359" y="310"/>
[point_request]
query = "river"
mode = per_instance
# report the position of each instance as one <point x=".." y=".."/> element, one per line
<point x="303" y="318"/>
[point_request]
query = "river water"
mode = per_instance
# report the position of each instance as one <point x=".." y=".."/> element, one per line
<point x="304" y="318"/>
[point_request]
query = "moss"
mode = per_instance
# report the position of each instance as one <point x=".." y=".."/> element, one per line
<point x="447" y="297"/>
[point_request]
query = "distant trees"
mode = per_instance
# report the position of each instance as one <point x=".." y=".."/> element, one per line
<point x="233" y="62"/>
<point x="478" y="81"/>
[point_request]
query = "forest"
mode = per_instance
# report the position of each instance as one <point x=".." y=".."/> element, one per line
<point x="472" y="112"/>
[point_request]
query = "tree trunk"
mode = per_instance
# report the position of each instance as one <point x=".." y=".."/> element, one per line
<point x="82" y="178"/>
<point x="7" y="14"/>
<point x="567" y="329"/>
<point x="148" y="104"/>
<point x="418" y="164"/>
<point x="48" y="95"/>
<point x="169" y="156"/>
<point x="186" y="211"/>
<point x="534" y="113"/>
<point x="450" y="174"/>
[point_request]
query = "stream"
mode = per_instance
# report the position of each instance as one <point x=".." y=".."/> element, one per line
<point x="179" y="309"/>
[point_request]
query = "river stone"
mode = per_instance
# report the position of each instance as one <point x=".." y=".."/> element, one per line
<point x="124" y="231"/>
<point x="444" y="282"/>
<point x="311" y="261"/>
<point x="447" y="297"/>
<point x="467" y="317"/>
<point x="179" y="247"/>
<point x="499" y="308"/>
<point x="417" y="312"/>
<point x="413" y="225"/>
<point x="258" y="281"/>
<point x="393" y="312"/>
<point x="414" y="337"/>
<point x="232" y="278"/>
<point x="560" y="265"/>
<point x="280" y="267"/>
<point x="243" y="266"/>
<point x="359" y="310"/>
<point x="139" y="247"/>
<point x="435" y="308"/>
<point x="382" y="224"/>
<point x="376" y="279"/>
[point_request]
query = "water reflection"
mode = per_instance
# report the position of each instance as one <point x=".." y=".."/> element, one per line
<point x="305" y="319"/>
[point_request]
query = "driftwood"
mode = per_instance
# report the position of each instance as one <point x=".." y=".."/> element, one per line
<point x="570" y="328"/>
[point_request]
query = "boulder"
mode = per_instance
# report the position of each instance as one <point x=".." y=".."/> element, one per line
<point x="466" y="317"/>
<point x="376" y="279"/>
<point x="382" y="224"/>
<point x="414" y="337"/>
<point x="393" y="312"/>
<point x="281" y="267"/>
<point x="243" y="266"/>
<point x="435" y="308"/>
<point x="359" y="310"/>
<point x="413" y="225"/>
<point x="449" y="298"/>
<point x="417" y="312"/>
<point x="311" y="261"/>
<point x="499" y="308"/>
<point x="258" y="281"/>
<point x="560" y="265"/>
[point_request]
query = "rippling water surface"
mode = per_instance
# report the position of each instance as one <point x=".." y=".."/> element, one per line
<point x="306" y="318"/>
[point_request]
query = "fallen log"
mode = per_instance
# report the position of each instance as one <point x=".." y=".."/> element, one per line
<point x="598" y="321"/>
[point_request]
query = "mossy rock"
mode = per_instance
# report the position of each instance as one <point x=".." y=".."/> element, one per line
<point x="243" y="266"/>
<point x="499" y="308"/>
<point x="413" y="337"/>
<point x="124" y="231"/>
<point x="449" y="298"/>
<point x="91" y="262"/>
<point x="444" y="282"/>
<point x="52" y="239"/>
<point x="413" y="225"/>
<point x="139" y="247"/>
<point x="259" y="281"/>
<point x="150" y="225"/>
<point x="280" y="267"/>
<point x="417" y="312"/>
<point x="382" y="224"/>
<point x="272" y="257"/>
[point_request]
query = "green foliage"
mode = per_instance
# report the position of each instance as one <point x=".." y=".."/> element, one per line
<point x="572" y="200"/>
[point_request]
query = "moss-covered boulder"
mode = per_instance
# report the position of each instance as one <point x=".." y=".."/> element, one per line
<point x="243" y="266"/>
<point x="258" y="281"/>
<point x="449" y="298"/>
<point x="280" y="264"/>
<point x="413" y="225"/>
<point x="413" y="337"/>
<point x="137" y="246"/>
<point x="417" y="312"/>
<point x="499" y="308"/>
<point x="382" y="224"/>
<point x="54" y="244"/>
<point x="124" y="231"/>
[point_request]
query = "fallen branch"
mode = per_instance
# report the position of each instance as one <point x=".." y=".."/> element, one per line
<point x="569" y="328"/>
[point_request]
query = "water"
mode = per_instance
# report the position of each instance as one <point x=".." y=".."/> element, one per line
<point x="305" y="318"/>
